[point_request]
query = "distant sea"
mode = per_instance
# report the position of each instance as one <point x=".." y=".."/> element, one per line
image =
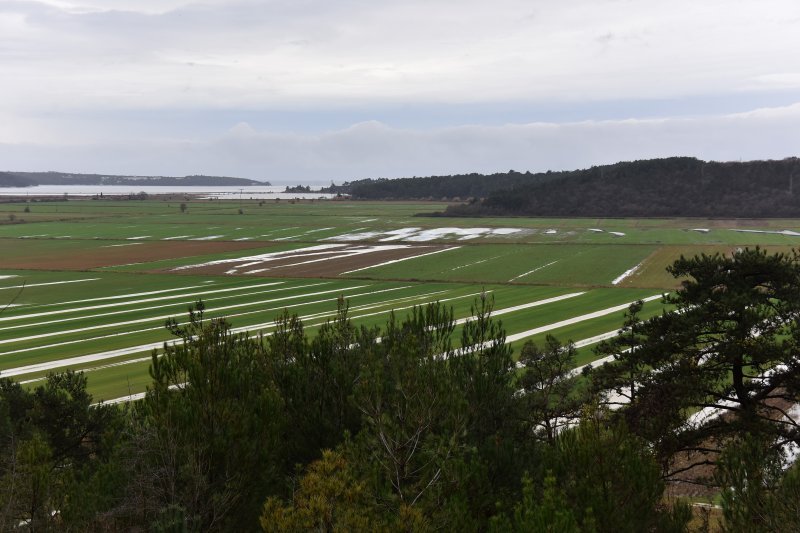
<point x="257" y="192"/>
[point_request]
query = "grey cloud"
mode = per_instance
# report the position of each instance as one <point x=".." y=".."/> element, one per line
<point x="372" y="149"/>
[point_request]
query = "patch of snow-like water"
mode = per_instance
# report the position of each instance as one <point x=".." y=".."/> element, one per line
<point x="625" y="274"/>
<point x="6" y="276"/>
<point x="700" y="230"/>
<point x="140" y="237"/>
<point x="617" y="233"/>
<point x="595" y="230"/>
<point x="208" y="238"/>
<point x="176" y="237"/>
<point x="438" y="233"/>
<point x="401" y="259"/>
<point x="399" y="234"/>
<point x="118" y="245"/>
<point x="550" y="232"/>
<point x="363" y="236"/>
<point x="791" y="451"/>
<point x="414" y="234"/>
<point x="505" y="231"/>
<point x="787" y="232"/>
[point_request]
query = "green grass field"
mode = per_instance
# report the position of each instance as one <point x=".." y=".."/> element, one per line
<point x="106" y="320"/>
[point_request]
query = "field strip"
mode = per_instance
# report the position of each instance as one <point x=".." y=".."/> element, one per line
<point x="83" y="359"/>
<point x="473" y="264"/>
<point x="29" y="285"/>
<point x="262" y="257"/>
<point x="131" y="302"/>
<point x="247" y="329"/>
<point x="149" y="308"/>
<point x="364" y="307"/>
<point x="528" y="305"/>
<point x="116" y="324"/>
<point x="344" y="255"/>
<point x="262" y="261"/>
<point x="371" y="306"/>
<point x="121" y="296"/>
<point x="556" y="325"/>
<point x="61" y="363"/>
<point x="575" y="320"/>
<point x="243" y="328"/>
<point x="408" y="307"/>
<point x="597" y="338"/>
<point x="399" y="260"/>
<point x="534" y="270"/>
<point x="176" y="237"/>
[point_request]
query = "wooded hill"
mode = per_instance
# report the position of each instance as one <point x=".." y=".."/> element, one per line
<point x="678" y="186"/>
<point x="460" y="186"/>
<point x="29" y="179"/>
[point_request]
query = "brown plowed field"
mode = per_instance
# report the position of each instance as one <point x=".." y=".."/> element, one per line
<point x="50" y="254"/>
<point x="328" y="265"/>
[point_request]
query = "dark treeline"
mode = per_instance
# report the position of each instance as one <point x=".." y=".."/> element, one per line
<point x="28" y="179"/>
<point x="392" y="429"/>
<point x="678" y="186"/>
<point x="461" y="186"/>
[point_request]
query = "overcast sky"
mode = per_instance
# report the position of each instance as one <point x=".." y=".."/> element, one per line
<point x="318" y="90"/>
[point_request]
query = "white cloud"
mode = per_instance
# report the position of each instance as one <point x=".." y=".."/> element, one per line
<point x="285" y="53"/>
<point x="93" y="84"/>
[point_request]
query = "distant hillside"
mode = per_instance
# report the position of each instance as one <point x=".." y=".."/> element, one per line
<point x="26" y="179"/>
<point x="461" y="186"/>
<point x="677" y="186"/>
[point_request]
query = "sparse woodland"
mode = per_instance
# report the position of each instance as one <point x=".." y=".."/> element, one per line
<point x="400" y="429"/>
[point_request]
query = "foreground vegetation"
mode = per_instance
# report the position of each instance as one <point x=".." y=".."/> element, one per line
<point x="395" y="428"/>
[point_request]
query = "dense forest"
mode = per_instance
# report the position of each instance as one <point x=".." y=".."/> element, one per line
<point x="29" y="179"/>
<point x="394" y="429"/>
<point x="678" y="186"/>
<point x="461" y="186"/>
